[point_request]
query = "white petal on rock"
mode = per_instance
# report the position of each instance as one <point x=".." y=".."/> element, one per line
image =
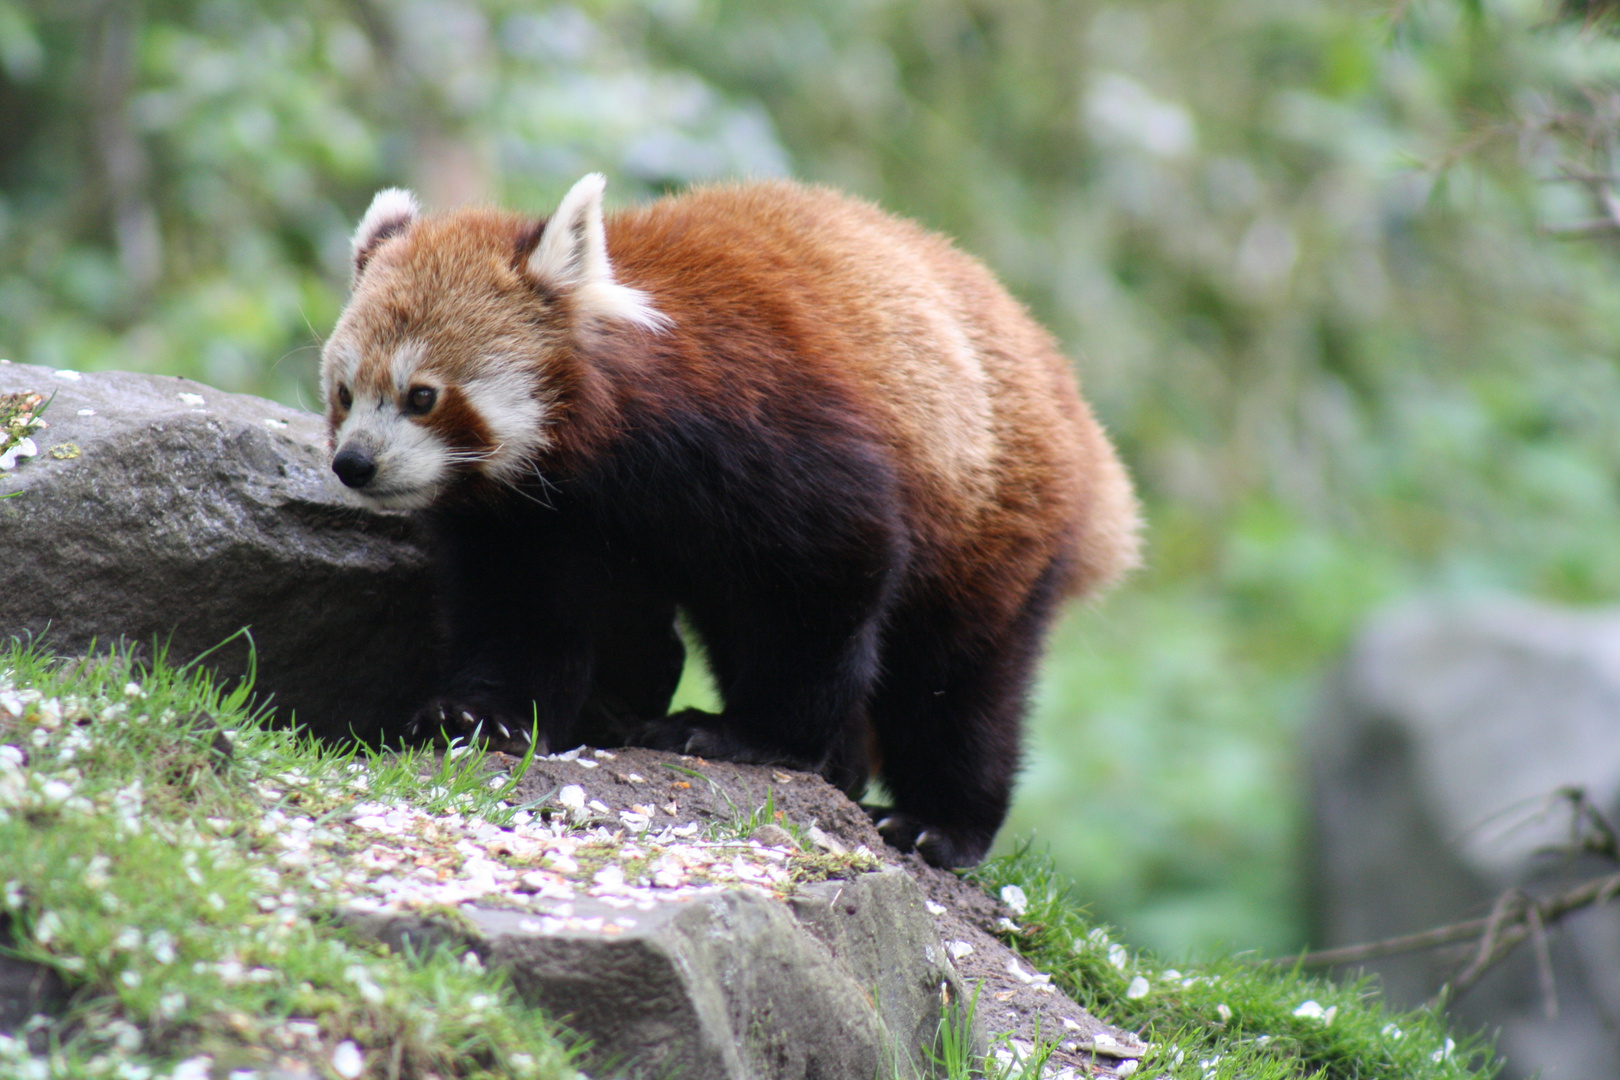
<point x="1037" y="978"/>
<point x="347" y="1061"/>
<point x="959" y="949"/>
<point x="933" y="908"/>
<point x="194" y="400"/>
<point x="1138" y="989"/>
<point x="197" y="1068"/>
<point x="87" y="412"/>
<point x="1014" y="897"/>
<point x="24" y="448"/>
<point x="1310" y="1010"/>
<point x="572" y="797"/>
<point x="66" y="373"/>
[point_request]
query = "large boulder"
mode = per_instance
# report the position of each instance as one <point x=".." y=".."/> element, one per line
<point x="842" y="978"/>
<point x="161" y="511"/>
<point x="729" y="985"/>
<point x="1437" y="756"/>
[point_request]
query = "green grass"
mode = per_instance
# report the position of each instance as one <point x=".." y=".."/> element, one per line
<point x="143" y="813"/>
<point x="955" y="1056"/>
<point x="1227" y="1017"/>
<point x="140" y="809"/>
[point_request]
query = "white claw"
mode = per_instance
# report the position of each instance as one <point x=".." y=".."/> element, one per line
<point x="500" y="727"/>
<point x="524" y="735"/>
<point x="885" y="823"/>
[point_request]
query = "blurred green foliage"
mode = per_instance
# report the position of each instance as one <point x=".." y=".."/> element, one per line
<point x="1338" y="274"/>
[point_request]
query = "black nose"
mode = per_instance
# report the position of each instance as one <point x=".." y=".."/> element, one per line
<point x="354" y="466"/>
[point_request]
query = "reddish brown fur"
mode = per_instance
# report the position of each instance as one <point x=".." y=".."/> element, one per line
<point x="795" y="311"/>
<point x="811" y="295"/>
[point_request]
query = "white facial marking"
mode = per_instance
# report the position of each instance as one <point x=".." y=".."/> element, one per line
<point x="338" y="365"/>
<point x="572" y="257"/>
<point x="403" y="364"/>
<point x="412" y="462"/>
<point x="503" y="395"/>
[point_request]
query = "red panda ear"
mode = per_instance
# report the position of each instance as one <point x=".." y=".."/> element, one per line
<point x="571" y="259"/>
<point x="392" y="212"/>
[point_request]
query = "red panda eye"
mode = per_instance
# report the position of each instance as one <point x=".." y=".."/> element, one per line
<point x="420" y="399"/>
<point x="345" y="398"/>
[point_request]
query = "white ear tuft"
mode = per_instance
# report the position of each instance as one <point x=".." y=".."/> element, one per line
<point x="573" y="248"/>
<point x="572" y="257"/>
<point x="392" y="211"/>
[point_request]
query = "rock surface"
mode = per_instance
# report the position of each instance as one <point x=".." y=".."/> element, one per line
<point x="179" y="514"/>
<point x="869" y="933"/>
<point x="1436" y="755"/>
<point x="733" y="985"/>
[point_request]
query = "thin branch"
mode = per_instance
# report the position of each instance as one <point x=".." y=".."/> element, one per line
<point x="1578" y="229"/>
<point x="1407" y="943"/>
<point x="1493" y="944"/>
<point x="1504" y="936"/>
<point x="1544" y="970"/>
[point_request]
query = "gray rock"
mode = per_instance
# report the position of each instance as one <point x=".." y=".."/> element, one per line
<point x="876" y="929"/>
<point x="843" y="983"/>
<point x="773" y="836"/>
<point x="181" y="523"/>
<point x="1435" y="757"/>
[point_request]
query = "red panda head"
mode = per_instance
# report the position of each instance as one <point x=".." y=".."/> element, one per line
<point x="445" y="364"/>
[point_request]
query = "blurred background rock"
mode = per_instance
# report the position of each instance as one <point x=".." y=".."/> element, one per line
<point x="1339" y="275"/>
<point x="1465" y="755"/>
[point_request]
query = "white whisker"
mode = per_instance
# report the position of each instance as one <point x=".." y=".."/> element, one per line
<point x="538" y="501"/>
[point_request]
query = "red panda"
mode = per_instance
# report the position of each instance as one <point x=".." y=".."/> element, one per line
<point x="826" y="436"/>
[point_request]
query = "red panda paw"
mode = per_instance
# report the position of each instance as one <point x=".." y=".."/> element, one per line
<point x="449" y="720"/>
<point x="938" y="846"/>
<point x="704" y="734"/>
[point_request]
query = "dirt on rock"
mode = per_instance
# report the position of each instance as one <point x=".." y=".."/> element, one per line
<point x="1013" y="999"/>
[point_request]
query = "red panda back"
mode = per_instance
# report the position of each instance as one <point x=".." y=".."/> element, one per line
<point x="1003" y="464"/>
